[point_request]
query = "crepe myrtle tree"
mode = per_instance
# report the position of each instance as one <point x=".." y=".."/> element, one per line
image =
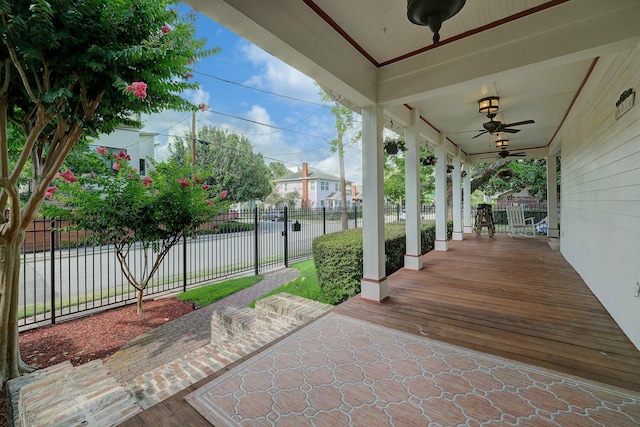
<point x="124" y="209"/>
<point x="68" y="69"/>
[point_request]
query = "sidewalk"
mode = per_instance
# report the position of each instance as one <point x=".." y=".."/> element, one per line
<point x="186" y="334"/>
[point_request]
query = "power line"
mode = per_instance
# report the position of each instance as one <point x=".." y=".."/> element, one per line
<point x="260" y="90"/>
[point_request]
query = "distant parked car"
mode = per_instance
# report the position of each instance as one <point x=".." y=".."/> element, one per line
<point x="273" y="216"/>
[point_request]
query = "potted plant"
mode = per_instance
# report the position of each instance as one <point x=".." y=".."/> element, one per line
<point x="449" y="168"/>
<point x="429" y="160"/>
<point x="392" y="146"/>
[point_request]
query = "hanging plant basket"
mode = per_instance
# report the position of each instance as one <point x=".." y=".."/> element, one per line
<point x="463" y="174"/>
<point x="429" y="160"/>
<point x="449" y="168"/>
<point x="392" y="146"/>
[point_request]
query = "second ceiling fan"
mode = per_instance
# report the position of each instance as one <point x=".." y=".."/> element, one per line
<point x="489" y="106"/>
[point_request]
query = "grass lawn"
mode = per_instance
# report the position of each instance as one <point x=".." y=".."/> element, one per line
<point x="305" y="286"/>
<point x="211" y="293"/>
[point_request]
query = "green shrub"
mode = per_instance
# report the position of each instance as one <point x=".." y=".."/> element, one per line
<point x="338" y="257"/>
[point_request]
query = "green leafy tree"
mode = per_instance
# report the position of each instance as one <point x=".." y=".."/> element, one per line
<point x="345" y="121"/>
<point x="278" y="170"/>
<point x="394" y="177"/>
<point x="124" y="210"/>
<point x="233" y="164"/>
<point x="70" y="68"/>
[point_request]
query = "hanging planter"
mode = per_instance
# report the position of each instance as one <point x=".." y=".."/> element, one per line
<point x="449" y="168"/>
<point x="429" y="160"/>
<point x="463" y="174"/>
<point x="392" y="146"/>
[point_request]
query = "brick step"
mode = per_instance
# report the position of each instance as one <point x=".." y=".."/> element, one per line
<point x="288" y="308"/>
<point x="66" y="396"/>
<point x="231" y="322"/>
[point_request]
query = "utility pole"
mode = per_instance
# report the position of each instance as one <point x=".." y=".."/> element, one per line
<point x="193" y="139"/>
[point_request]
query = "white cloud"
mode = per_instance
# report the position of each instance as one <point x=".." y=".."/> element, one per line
<point x="278" y="77"/>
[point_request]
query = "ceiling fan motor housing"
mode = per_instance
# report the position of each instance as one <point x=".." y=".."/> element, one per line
<point x="432" y="13"/>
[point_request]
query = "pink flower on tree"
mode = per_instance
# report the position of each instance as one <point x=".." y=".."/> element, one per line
<point x="223" y="195"/>
<point x="205" y="187"/>
<point x="203" y="107"/>
<point x="146" y="181"/>
<point x="101" y="150"/>
<point x="68" y="176"/>
<point x="116" y="166"/>
<point x="139" y="89"/>
<point x="166" y="29"/>
<point x="50" y="190"/>
<point x="209" y="202"/>
<point x="188" y="76"/>
<point x="183" y="182"/>
<point x="122" y="156"/>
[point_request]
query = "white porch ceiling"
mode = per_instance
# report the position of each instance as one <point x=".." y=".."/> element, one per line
<point x="533" y="54"/>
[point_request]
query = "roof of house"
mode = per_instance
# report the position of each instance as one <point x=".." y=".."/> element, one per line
<point x="313" y="174"/>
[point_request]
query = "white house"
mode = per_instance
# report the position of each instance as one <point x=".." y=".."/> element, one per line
<point x="139" y="145"/>
<point x="317" y="189"/>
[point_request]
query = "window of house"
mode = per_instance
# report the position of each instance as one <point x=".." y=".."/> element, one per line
<point x="285" y="186"/>
<point x="142" y="167"/>
<point x="322" y="203"/>
<point x="324" y="185"/>
<point x="337" y="186"/>
<point x="313" y="185"/>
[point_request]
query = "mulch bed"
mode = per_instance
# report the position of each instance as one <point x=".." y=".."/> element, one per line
<point x="93" y="337"/>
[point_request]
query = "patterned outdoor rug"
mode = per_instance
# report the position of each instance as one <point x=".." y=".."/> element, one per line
<point x="338" y="371"/>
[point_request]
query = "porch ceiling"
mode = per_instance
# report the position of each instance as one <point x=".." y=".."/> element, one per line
<point x="534" y="54"/>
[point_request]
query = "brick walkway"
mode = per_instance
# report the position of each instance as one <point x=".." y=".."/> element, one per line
<point x="186" y="334"/>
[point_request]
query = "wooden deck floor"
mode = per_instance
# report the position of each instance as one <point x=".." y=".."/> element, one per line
<point x="514" y="298"/>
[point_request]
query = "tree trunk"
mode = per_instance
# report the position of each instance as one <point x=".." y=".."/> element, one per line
<point x="343" y="190"/>
<point x="139" y="302"/>
<point x="11" y="365"/>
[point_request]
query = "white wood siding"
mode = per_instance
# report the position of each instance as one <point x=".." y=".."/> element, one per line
<point x="600" y="189"/>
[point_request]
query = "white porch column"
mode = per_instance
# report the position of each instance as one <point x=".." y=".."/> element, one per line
<point x="468" y="228"/>
<point x="441" y="243"/>
<point x="457" y="199"/>
<point x="374" y="282"/>
<point x="413" y="257"/>
<point x="552" y="197"/>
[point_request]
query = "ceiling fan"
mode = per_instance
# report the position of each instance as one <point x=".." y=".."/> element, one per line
<point x="495" y="126"/>
<point x="506" y="153"/>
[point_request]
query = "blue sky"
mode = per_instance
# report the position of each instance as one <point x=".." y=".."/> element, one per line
<point x="309" y="126"/>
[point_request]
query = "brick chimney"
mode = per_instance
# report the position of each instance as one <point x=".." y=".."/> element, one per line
<point x="305" y="185"/>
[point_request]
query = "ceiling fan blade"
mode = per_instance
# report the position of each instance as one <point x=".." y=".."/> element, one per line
<point x="525" y="122"/>
<point x="516" y="154"/>
<point x="469" y="131"/>
<point x="510" y="130"/>
<point x="481" y="133"/>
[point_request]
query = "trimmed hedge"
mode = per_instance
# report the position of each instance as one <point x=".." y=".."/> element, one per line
<point x="338" y="257"/>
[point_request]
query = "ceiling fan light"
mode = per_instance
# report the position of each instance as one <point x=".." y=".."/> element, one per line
<point x="489" y="106"/>
<point x="502" y="143"/>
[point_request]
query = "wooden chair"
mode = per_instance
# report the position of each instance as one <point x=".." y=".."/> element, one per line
<point x="517" y="221"/>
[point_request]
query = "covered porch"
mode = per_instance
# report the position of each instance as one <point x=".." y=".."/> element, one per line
<point x="512" y="298"/>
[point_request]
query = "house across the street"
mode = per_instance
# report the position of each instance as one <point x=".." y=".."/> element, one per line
<point x="317" y="189"/>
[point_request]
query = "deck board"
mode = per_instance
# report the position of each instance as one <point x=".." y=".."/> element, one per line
<point x="511" y="297"/>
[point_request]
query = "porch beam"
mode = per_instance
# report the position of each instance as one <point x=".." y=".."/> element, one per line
<point x="552" y="197"/>
<point x="441" y="243"/>
<point x="413" y="257"/>
<point x="374" y="281"/>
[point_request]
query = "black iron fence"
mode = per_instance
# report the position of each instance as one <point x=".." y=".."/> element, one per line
<point x="61" y="278"/>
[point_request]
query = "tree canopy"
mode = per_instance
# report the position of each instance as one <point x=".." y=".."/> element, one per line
<point x="231" y="161"/>
<point x="70" y="68"/>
